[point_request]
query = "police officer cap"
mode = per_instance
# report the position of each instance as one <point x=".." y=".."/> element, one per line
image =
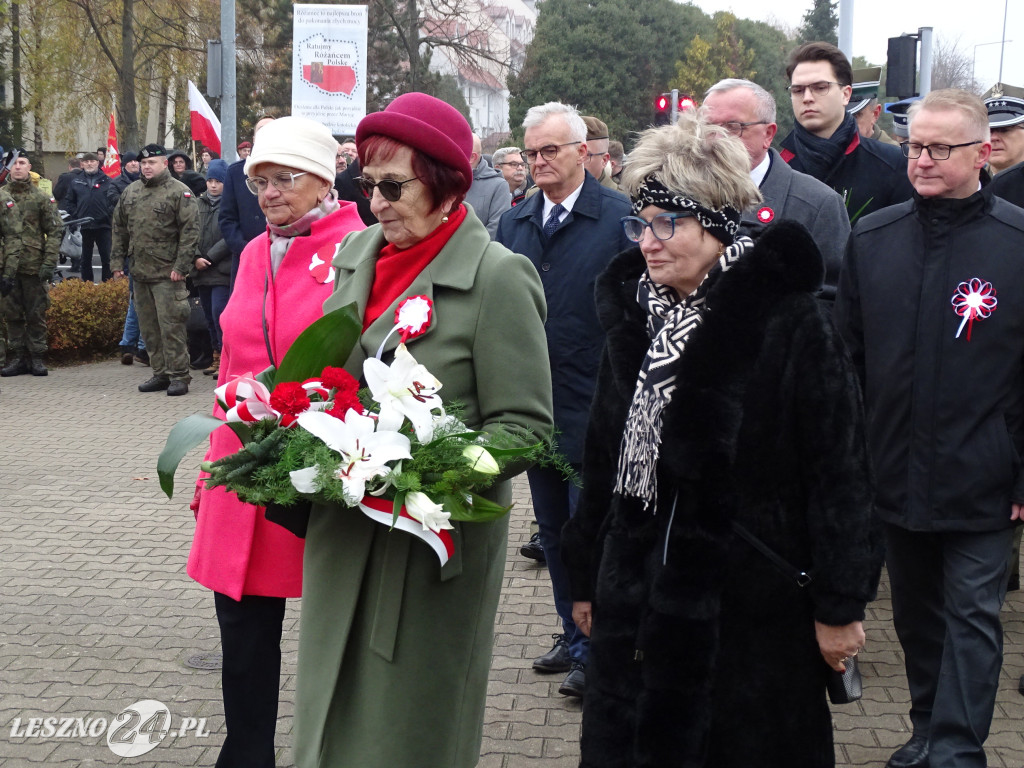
<point x="900" y="119"/>
<point x="152" y="150"/>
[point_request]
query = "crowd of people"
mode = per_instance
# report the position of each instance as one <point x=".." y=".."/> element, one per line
<point x="774" y="366"/>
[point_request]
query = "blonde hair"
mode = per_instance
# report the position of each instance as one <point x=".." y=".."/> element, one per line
<point x="696" y="159"/>
<point x="946" y="99"/>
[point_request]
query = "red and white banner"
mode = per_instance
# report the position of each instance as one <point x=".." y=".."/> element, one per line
<point x="205" y="123"/>
<point x="381" y="510"/>
<point x="112" y="160"/>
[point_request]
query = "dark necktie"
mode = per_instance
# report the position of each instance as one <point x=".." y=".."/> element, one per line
<point x="554" y="220"/>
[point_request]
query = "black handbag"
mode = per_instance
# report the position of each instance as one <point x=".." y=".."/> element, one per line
<point x="843" y="687"/>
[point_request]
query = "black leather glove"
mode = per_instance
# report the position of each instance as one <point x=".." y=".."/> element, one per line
<point x="6" y="285"/>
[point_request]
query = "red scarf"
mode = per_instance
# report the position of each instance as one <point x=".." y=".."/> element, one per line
<point x="398" y="267"/>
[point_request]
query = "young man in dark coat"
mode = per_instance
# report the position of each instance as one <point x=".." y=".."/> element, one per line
<point x="570" y="232"/>
<point x="825" y="142"/>
<point x="240" y="216"/>
<point x="92" y="194"/>
<point x="930" y="306"/>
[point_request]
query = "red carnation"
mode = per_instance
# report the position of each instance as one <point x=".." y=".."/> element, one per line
<point x="289" y="398"/>
<point x="338" y="378"/>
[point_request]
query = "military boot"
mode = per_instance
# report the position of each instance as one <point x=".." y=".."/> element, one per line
<point x="155" y="384"/>
<point x="177" y="387"/>
<point x="16" y="367"/>
<point x="38" y="367"/>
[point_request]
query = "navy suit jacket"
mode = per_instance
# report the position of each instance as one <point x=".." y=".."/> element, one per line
<point x="569" y="263"/>
<point x="241" y="218"/>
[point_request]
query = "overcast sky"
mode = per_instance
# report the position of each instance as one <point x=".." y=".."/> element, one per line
<point x="874" y="21"/>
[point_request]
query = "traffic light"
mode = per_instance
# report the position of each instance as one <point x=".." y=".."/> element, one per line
<point x="686" y="102"/>
<point x="663" y="109"/>
<point x="901" y="71"/>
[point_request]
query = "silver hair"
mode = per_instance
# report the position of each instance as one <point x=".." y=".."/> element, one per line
<point x="537" y="115"/>
<point x="499" y="155"/>
<point x="765" y="101"/>
<point x="971" y="106"/>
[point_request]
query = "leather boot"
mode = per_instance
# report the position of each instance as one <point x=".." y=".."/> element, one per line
<point x="16" y="367"/>
<point x="155" y="384"/>
<point x="214" y="368"/>
<point x="38" y="367"/>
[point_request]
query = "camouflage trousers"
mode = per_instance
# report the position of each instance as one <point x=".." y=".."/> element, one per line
<point x="24" y="310"/>
<point x="163" y="310"/>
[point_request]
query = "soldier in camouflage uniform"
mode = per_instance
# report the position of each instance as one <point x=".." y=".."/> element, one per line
<point x="25" y="307"/>
<point x="10" y="251"/>
<point x="156" y="225"/>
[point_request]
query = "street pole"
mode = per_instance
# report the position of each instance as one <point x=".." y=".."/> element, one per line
<point x="925" y="85"/>
<point x="1002" y="48"/>
<point x="846" y="28"/>
<point x="228" y="101"/>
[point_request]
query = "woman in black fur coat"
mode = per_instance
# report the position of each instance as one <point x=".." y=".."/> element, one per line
<point x="724" y="396"/>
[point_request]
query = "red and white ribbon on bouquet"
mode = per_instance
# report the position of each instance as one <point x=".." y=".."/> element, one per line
<point x="246" y="399"/>
<point x="973" y="299"/>
<point x="382" y="511"/>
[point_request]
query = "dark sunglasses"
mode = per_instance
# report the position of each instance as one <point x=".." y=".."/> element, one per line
<point x="390" y="189"/>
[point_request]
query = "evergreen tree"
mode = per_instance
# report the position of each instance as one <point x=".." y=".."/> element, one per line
<point x="820" y="23"/>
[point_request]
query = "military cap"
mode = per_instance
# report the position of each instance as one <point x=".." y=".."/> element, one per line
<point x="596" y="128"/>
<point x="866" y="83"/>
<point x="900" y="120"/>
<point x="1005" y="106"/>
<point x="152" y="150"/>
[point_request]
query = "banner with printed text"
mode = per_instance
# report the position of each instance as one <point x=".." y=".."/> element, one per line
<point x="329" y="65"/>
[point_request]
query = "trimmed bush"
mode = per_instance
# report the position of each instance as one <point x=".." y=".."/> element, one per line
<point x="85" y="318"/>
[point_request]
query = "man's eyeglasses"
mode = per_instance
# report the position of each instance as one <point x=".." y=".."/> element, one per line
<point x="736" y="128"/>
<point x="549" y="153"/>
<point x="390" y="189"/>
<point x="663" y="226"/>
<point x="284" y="182"/>
<point x="912" y="150"/>
<point x="513" y="164"/>
<point x="818" y="89"/>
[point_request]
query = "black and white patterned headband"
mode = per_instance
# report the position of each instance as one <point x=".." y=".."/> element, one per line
<point x="724" y="223"/>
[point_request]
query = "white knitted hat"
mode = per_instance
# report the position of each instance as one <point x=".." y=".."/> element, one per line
<point x="295" y="142"/>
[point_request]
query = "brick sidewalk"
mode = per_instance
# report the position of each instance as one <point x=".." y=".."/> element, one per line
<point x="97" y="612"/>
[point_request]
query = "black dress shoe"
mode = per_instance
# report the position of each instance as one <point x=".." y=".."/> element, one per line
<point x="913" y="754"/>
<point x="555" y="660"/>
<point x="533" y="549"/>
<point x="574" y="682"/>
<point x="155" y="384"/>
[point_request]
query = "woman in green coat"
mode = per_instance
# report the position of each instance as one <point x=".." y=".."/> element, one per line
<point x="394" y="650"/>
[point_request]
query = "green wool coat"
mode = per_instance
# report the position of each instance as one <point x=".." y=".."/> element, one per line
<point x="394" y="651"/>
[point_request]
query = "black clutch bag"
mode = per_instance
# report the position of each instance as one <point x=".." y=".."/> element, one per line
<point x="845" y="687"/>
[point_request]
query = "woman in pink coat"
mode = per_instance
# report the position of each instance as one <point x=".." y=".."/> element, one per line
<point x="252" y="565"/>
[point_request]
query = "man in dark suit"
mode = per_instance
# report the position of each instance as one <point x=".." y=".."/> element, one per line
<point x="747" y="111"/>
<point x="570" y="232"/>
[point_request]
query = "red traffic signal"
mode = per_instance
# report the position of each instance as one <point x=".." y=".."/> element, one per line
<point x="663" y="102"/>
<point x="686" y="102"/>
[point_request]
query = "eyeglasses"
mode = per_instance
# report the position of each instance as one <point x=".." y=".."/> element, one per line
<point x="912" y="150"/>
<point x="514" y="165"/>
<point x="736" y="128"/>
<point x="818" y="89"/>
<point x="390" y="189"/>
<point x="663" y="226"/>
<point x="548" y="153"/>
<point x="283" y="182"/>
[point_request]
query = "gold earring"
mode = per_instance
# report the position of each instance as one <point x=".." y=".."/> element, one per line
<point x="444" y="219"/>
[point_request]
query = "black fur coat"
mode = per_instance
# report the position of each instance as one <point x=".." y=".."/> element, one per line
<point x="703" y="653"/>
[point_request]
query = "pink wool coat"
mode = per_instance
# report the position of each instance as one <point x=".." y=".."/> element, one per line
<point x="235" y="551"/>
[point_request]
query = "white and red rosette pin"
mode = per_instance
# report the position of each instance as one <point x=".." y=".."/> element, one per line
<point x="320" y="265"/>
<point x="973" y="299"/>
<point x="765" y="215"/>
<point x="413" y="316"/>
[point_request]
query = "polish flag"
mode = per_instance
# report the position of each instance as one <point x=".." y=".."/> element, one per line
<point x="112" y="160"/>
<point x="205" y="124"/>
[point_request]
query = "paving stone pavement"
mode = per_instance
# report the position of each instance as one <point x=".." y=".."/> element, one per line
<point x="97" y="613"/>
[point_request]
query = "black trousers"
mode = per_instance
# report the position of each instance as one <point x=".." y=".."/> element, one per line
<point x="947" y="589"/>
<point x="101" y="238"/>
<point x="250" y="636"/>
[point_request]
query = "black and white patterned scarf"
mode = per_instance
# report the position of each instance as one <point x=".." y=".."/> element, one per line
<point x="670" y="321"/>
